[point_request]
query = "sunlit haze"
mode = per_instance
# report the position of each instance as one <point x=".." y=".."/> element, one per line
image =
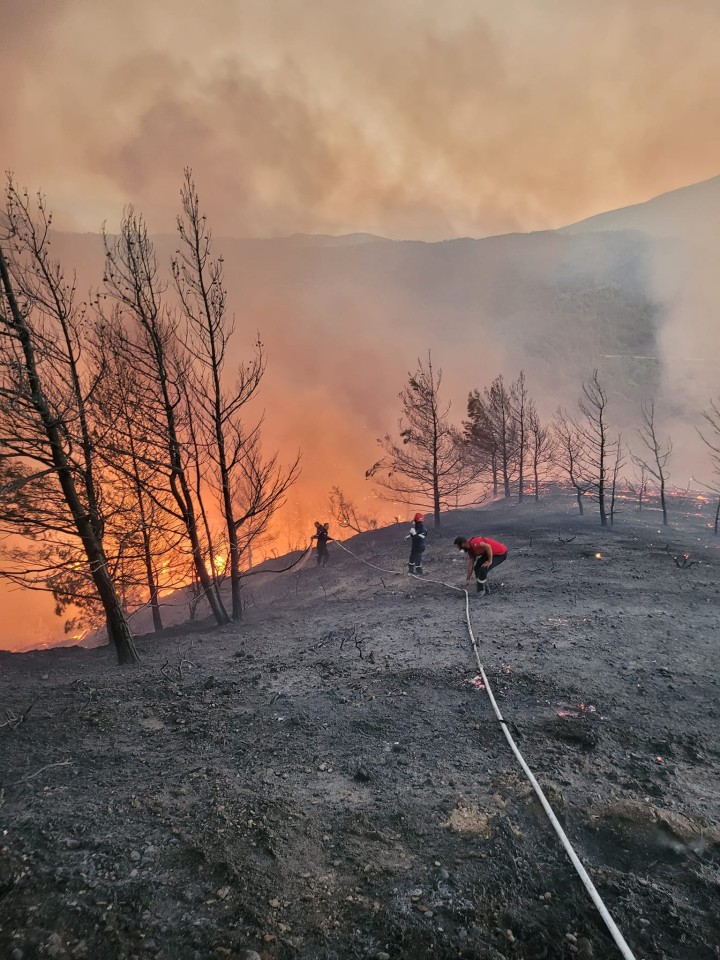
<point x="407" y="118"/>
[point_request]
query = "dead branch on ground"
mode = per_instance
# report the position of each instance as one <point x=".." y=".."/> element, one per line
<point x="14" y="720"/>
<point x="683" y="562"/>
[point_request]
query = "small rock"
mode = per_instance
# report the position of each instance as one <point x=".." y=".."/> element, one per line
<point x="275" y="904"/>
<point x="499" y="802"/>
<point x="54" y="945"/>
<point x="571" y="937"/>
<point x="381" y="955"/>
<point x="248" y="955"/>
<point x="585" y="949"/>
<point x="17" y="954"/>
<point x="72" y="844"/>
<point x="135" y="856"/>
<point x="148" y="944"/>
<point x="443" y="873"/>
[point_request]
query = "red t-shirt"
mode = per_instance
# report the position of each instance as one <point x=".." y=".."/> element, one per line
<point x="498" y="549"/>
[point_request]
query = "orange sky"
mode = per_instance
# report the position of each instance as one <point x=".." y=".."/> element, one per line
<point x="408" y="118"/>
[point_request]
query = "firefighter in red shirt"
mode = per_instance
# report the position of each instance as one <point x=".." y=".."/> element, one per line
<point x="483" y="554"/>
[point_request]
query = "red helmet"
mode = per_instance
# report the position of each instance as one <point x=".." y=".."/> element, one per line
<point x="419" y="517"/>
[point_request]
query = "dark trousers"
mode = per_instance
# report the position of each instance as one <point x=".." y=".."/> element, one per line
<point x="322" y="554"/>
<point x="482" y="572"/>
<point x="416" y="556"/>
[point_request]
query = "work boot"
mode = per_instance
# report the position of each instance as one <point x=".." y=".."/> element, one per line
<point x="481" y="587"/>
<point x="419" y="570"/>
<point x="411" y="568"/>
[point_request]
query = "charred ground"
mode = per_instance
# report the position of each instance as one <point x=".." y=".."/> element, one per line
<point x="323" y="781"/>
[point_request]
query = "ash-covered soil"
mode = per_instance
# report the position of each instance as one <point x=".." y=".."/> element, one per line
<point x="324" y="781"/>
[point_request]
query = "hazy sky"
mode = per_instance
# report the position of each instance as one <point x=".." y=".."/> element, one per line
<point x="410" y="118"/>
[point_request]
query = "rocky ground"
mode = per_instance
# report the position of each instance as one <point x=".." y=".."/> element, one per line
<point x="325" y="781"/>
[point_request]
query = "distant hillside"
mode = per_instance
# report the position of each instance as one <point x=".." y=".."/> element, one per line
<point x="689" y="213"/>
<point x="344" y="319"/>
<point x="347" y="320"/>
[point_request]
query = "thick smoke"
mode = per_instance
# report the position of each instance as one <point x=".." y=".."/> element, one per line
<point x="406" y="118"/>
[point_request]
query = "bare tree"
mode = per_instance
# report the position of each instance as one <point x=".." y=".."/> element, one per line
<point x="710" y="435"/>
<point x="250" y="487"/>
<point x="260" y="488"/>
<point x="46" y="400"/>
<point x="427" y="468"/>
<point x="346" y="514"/>
<point x="599" y="450"/>
<point x="521" y="406"/>
<point x="150" y="533"/>
<point x="542" y="449"/>
<point x="655" y="461"/>
<point x="617" y="467"/>
<point x="571" y="454"/>
<point x="500" y="408"/>
<point x="640" y="483"/>
<point x="480" y="440"/>
<point x="131" y="277"/>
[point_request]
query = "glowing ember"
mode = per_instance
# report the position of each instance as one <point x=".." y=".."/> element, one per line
<point x="598" y="556"/>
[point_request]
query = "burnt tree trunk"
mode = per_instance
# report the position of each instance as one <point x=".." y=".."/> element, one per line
<point x="117" y="626"/>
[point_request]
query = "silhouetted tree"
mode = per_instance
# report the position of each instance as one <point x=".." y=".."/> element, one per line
<point x="480" y="441"/>
<point x="521" y="407"/>
<point x="427" y="468"/>
<point x="234" y="452"/>
<point x="571" y="454"/>
<point x="151" y="535"/>
<point x="499" y="402"/>
<point x="655" y="461"/>
<point x="710" y="435"/>
<point x="46" y="399"/>
<point x="131" y="278"/>
<point x="639" y="485"/>
<point x="346" y="514"/>
<point x="542" y="450"/>
<point x="598" y="449"/>
<point x="617" y="467"/>
<point x="490" y="433"/>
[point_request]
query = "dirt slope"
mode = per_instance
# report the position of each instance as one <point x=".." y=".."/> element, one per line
<point x="323" y="781"/>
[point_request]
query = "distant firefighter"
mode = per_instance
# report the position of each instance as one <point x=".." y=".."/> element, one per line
<point x="323" y="538"/>
<point x="483" y="555"/>
<point x="418" y="532"/>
